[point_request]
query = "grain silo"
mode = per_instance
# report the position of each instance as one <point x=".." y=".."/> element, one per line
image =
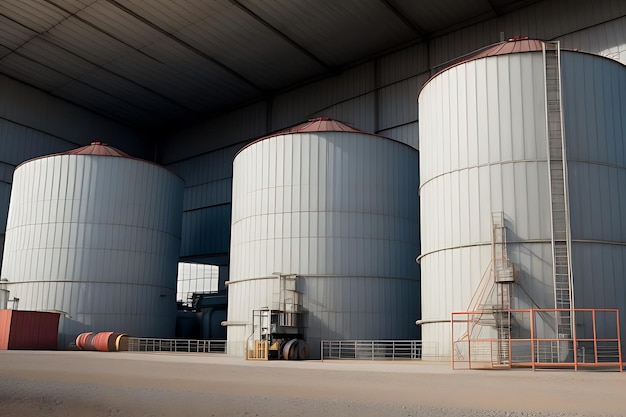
<point x="522" y="161"/>
<point x="325" y="223"/>
<point x="95" y="235"/>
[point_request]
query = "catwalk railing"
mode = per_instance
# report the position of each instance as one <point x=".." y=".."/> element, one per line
<point x="372" y="349"/>
<point x="139" y="344"/>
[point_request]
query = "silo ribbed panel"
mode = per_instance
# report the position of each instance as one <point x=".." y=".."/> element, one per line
<point x="594" y="105"/>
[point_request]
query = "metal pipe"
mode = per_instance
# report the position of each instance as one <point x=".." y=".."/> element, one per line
<point x="422" y="322"/>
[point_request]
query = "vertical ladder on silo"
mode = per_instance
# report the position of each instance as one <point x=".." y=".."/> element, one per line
<point x="562" y="276"/>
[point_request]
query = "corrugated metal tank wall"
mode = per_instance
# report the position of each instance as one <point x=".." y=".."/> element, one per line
<point x="594" y="105"/>
<point x="483" y="149"/>
<point x="340" y="210"/>
<point x="96" y="238"/>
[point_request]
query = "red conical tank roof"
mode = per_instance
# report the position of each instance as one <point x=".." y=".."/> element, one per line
<point x="513" y="45"/>
<point x="98" y="148"/>
<point x="319" y="124"/>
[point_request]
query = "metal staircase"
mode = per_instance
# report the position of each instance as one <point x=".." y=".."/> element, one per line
<point x="504" y="276"/>
<point x="490" y="306"/>
<point x="563" y="296"/>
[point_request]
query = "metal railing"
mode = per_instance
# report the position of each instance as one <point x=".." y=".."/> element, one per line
<point x="597" y="343"/>
<point x="372" y="349"/>
<point x="140" y="344"/>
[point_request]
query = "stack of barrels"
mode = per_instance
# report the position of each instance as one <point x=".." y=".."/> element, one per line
<point x="103" y="341"/>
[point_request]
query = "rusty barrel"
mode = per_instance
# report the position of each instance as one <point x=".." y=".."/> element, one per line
<point x="85" y="341"/>
<point x="110" y="341"/>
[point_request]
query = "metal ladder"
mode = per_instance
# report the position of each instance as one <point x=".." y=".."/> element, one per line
<point x="563" y="297"/>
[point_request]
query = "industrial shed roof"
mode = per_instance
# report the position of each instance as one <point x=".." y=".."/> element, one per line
<point x="151" y="63"/>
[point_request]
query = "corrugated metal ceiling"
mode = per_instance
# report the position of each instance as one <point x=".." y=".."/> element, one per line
<point x="150" y="63"/>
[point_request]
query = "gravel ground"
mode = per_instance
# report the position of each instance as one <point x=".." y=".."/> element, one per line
<point x="72" y="384"/>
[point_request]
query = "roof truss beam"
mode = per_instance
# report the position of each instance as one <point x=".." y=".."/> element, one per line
<point x="282" y="35"/>
<point x="186" y="45"/>
<point x="419" y="31"/>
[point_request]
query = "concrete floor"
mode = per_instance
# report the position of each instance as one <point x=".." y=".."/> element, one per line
<point x="34" y="383"/>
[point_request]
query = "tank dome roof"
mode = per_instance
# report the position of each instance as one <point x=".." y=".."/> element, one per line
<point x="98" y="148"/>
<point x="511" y="46"/>
<point x="517" y="44"/>
<point x="319" y="124"/>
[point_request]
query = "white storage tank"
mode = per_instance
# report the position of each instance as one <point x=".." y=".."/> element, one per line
<point x="338" y="208"/>
<point x="484" y="149"/>
<point x="95" y="235"/>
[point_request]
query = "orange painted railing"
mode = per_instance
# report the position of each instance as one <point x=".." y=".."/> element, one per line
<point x="533" y="342"/>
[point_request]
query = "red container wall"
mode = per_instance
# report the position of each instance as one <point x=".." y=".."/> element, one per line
<point x="29" y="330"/>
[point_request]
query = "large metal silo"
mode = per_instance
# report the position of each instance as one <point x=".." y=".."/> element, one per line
<point x="524" y="143"/>
<point x="95" y="235"/>
<point x="336" y="208"/>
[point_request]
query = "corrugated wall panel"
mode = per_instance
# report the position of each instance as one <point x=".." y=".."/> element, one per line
<point x="91" y="98"/>
<point x="301" y="104"/>
<point x="359" y="112"/>
<point x="408" y="133"/>
<point x="607" y="39"/>
<point x="141" y="98"/>
<point x="230" y="130"/>
<point x="397" y="104"/>
<point x="206" y="217"/>
<point x="404" y="64"/>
